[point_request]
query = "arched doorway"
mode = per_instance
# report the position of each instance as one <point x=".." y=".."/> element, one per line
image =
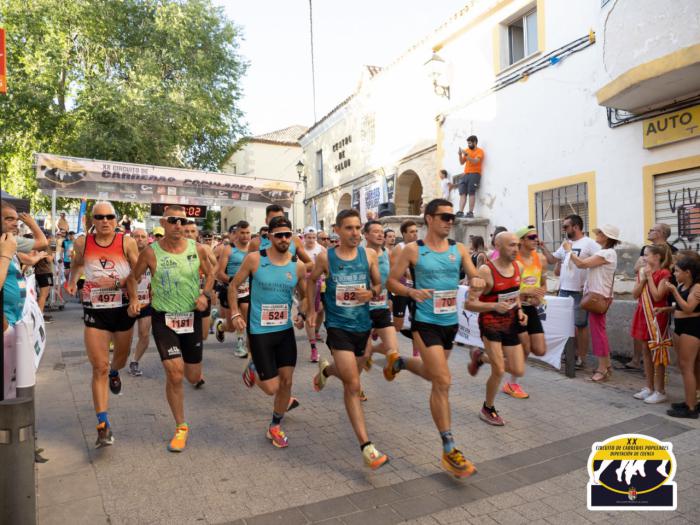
<point x="409" y="193"/>
<point x="345" y="202"/>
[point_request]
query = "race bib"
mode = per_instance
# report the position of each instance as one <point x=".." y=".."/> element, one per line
<point x="180" y="323"/>
<point x="381" y="300"/>
<point x="346" y="295"/>
<point x="105" y="298"/>
<point x="509" y="298"/>
<point x="244" y="289"/>
<point x="444" y="301"/>
<point x="274" y="314"/>
<point x="144" y="297"/>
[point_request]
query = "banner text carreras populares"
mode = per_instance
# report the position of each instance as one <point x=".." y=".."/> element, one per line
<point x="119" y="181"/>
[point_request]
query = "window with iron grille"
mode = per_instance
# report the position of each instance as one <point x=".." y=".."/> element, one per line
<point x="553" y="205"/>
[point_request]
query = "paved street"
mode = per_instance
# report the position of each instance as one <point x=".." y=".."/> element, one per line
<point x="530" y="471"/>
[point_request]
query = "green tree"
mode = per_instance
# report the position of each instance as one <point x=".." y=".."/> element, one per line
<point x="147" y="81"/>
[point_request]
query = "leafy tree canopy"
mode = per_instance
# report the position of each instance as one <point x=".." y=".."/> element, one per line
<point x="146" y="81"/>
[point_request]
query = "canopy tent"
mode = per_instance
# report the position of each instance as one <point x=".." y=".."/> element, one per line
<point x="22" y="205"/>
<point x="120" y="181"/>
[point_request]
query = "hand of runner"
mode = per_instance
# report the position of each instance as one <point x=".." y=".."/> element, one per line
<point x="522" y="318"/>
<point x="71" y="288"/>
<point x="363" y="296"/>
<point x="134" y="308"/>
<point x="8" y="245"/>
<point x="311" y="320"/>
<point x="477" y="283"/>
<point x="201" y="303"/>
<point x="239" y="323"/>
<point x="420" y="295"/>
<point x="501" y="308"/>
<point x="299" y="322"/>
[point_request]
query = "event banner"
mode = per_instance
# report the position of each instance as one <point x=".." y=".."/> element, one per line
<point x="119" y="181"/>
<point x="33" y="320"/>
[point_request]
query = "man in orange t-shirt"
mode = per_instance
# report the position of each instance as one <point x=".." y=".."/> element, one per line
<point x="471" y="158"/>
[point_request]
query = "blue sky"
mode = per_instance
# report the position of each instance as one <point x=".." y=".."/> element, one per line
<point x="347" y="35"/>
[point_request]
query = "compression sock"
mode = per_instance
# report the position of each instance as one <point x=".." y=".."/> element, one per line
<point x="276" y="419"/>
<point x="103" y="418"/>
<point x="448" y="442"/>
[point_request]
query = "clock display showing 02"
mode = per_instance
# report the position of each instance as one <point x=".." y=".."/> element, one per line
<point x="191" y="211"/>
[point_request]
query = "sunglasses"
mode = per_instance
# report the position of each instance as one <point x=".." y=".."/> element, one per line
<point x="108" y="217"/>
<point x="445" y="217"/>
<point x="532" y="237"/>
<point x="282" y="235"/>
<point x="184" y="221"/>
<point x="323" y="238"/>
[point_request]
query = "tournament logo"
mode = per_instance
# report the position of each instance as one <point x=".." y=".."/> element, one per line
<point x="632" y="472"/>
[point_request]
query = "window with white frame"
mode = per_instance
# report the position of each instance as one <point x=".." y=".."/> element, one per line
<point x="319" y="168"/>
<point x="553" y="205"/>
<point x="522" y="37"/>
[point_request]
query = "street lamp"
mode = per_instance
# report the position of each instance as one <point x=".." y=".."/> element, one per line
<point x="300" y="172"/>
<point x="437" y="69"/>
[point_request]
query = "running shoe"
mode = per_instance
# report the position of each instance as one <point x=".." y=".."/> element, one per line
<point x="459" y="214"/>
<point x="277" y="436"/>
<point x="474" y="363"/>
<point x="240" y="350"/>
<point x="319" y="379"/>
<point x="389" y="369"/>
<point x="249" y="375"/>
<point x="373" y="458"/>
<point x="293" y="403"/>
<point x="514" y="390"/>
<point x="314" y="355"/>
<point x="115" y="384"/>
<point x="682" y="411"/>
<point x="579" y="365"/>
<point x="199" y="384"/>
<point x="362" y="395"/>
<point x="469" y="215"/>
<point x="134" y="369"/>
<point x="644" y="393"/>
<point x="456" y="464"/>
<point x="219" y="330"/>
<point x="490" y="415"/>
<point x="177" y="444"/>
<point x="104" y="436"/>
<point x="656" y="397"/>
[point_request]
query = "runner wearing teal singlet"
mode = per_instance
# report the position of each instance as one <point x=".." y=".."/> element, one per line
<point x="348" y="269"/>
<point x="274" y="274"/>
<point x="435" y="263"/>
<point x="178" y="305"/>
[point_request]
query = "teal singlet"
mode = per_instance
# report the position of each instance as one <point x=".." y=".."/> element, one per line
<point x="235" y="259"/>
<point x="343" y="311"/>
<point x="438" y="271"/>
<point x="382" y="303"/>
<point x="271" y="291"/>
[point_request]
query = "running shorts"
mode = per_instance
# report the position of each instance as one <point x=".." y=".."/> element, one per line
<point x="272" y="351"/>
<point x="223" y="297"/>
<point x="146" y="311"/>
<point x="399" y="304"/>
<point x="500" y="328"/>
<point x="381" y="318"/>
<point x="435" y="335"/>
<point x="108" y="319"/>
<point x="534" y="323"/>
<point x="339" y="339"/>
<point x="172" y="345"/>
<point x="66" y="265"/>
<point x="44" y="280"/>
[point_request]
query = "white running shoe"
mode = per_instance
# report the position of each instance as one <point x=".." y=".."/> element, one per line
<point x="240" y="350"/>
<point x="643" y="393"/>
<point x="656" y="397"/>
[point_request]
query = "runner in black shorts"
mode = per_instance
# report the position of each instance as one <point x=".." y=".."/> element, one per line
<point x="409" y="232"/>
<point x="178" y="302"/>
<point x="106" y="257"/>
<point x="274" y="275"/>
<point x="144" y="319"/>
<point x="500" y="315"/>
<point x="352" y="280"/>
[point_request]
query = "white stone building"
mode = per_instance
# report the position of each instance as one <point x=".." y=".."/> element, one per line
<point x="586" y="106"/>
<point x="271" y="156"/>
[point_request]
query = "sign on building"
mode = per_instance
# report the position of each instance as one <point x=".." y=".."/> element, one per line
<point x="671" y="127"/>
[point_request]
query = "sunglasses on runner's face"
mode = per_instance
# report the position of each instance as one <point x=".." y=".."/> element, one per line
<point x="184" y="221"/>
<point x="282" y="235"/>
<point x="108" y="217"/>
<point x="532" y="237"/>
<point x="445" y="217"/>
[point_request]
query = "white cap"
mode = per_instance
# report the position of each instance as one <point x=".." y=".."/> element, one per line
<point x="610" y="231"/>
<point x="309" y="229"/>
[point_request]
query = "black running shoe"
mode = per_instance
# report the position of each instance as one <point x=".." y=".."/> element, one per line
<point x="684" y="412"/>
<point x="104" y="436"/>
<point x="115" y="384"/>
<point x="199" y="384"/>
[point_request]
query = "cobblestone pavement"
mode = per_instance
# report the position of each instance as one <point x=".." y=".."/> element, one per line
<point x="532" y="470"/>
